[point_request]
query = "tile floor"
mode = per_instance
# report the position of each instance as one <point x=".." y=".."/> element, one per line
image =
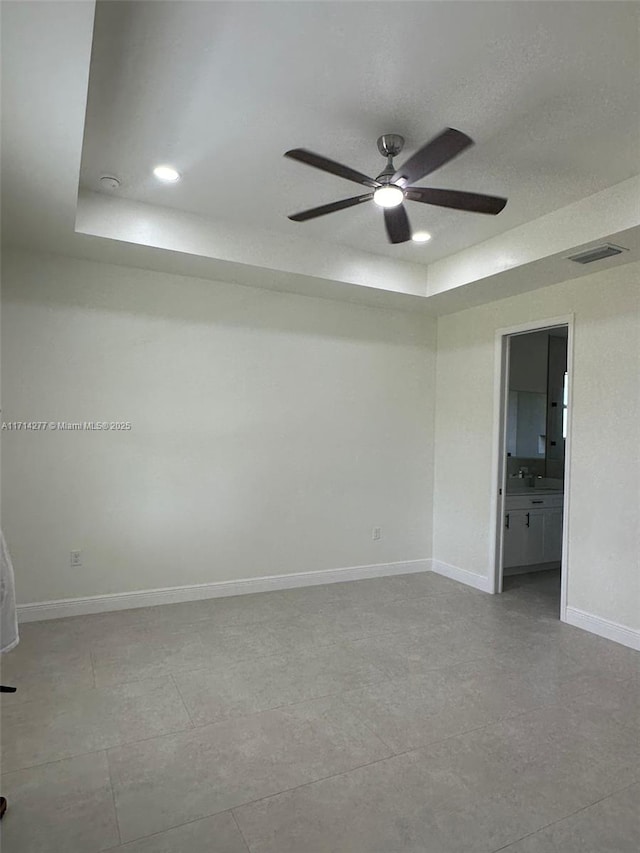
<point x="397" y="715"/>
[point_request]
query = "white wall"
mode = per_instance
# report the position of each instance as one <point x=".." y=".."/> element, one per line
<point x="271" y="432"/>
<point x="604" y="547"/>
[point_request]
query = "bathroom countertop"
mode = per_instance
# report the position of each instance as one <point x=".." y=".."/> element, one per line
<point x="531" y="490"/>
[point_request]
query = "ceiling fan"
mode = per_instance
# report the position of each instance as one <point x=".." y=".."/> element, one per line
<point x="393" y="186"/>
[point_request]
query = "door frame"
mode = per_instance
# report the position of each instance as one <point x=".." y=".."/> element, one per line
<point x="499" y="468"/>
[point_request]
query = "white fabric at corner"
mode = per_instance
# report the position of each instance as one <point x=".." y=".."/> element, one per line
<point x="8" y="618"/>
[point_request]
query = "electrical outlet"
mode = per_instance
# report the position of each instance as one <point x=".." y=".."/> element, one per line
<point x="76" y="558"/>
<point x="376" y="533"/>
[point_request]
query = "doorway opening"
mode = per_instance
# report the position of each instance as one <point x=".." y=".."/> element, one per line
<point x="532" y="444"/>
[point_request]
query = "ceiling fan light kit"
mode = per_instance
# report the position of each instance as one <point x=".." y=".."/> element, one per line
<point x="393" y="186"/>
<point x="389" y="196"/>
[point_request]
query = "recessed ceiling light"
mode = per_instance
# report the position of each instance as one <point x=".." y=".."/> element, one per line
<point x="388" y="196"/>
<point x="167" y="174"/>
<point x="421" y="237"/>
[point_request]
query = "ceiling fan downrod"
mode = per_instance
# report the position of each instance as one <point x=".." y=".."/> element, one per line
<point x="389" y="145"/>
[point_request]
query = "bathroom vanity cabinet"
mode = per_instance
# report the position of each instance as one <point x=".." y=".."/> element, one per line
<point x="533" y="530"/>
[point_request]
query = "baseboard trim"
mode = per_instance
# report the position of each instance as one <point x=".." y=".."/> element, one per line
<point x="480" y="582"/>
<point x="604" y="628"/>
<point x="39" y="611"/>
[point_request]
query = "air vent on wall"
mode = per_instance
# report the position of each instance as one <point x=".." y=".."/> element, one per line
<point x="606" y="250"/>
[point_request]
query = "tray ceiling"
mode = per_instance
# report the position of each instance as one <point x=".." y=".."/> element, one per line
<point x="221" y="90"/>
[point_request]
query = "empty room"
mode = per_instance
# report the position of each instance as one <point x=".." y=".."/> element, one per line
<point x="320" y="446"/>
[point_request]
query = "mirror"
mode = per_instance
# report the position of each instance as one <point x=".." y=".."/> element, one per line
<point x="527" y="424"/>
<point x="536" y="403"/>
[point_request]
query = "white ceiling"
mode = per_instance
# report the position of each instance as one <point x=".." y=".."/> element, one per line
<point x="549" y="91"/>
<point x="46" y="52"/>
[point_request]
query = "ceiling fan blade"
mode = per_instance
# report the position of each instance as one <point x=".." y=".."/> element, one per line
<point x="431" y="156"/>
<point x="331" y="166"/>
<point x="330" y="208"/>
<point x="473" y="202"/>
<point x="397" y="224"/>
